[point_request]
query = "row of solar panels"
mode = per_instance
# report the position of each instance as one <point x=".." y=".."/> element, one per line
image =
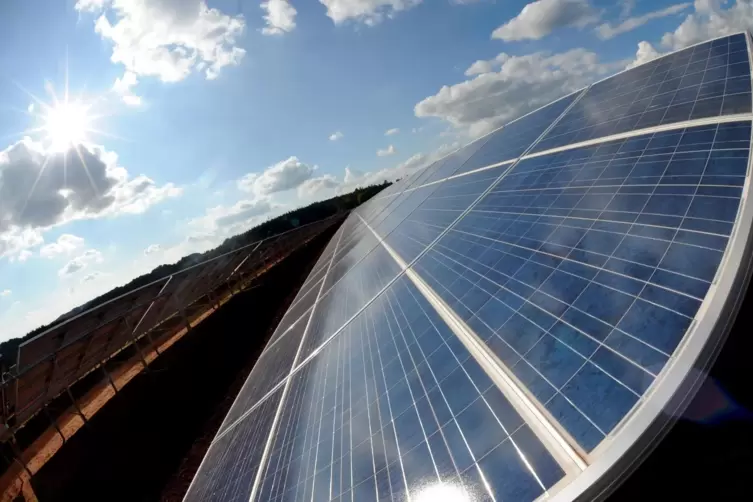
<point x="505" y="323"/>
<point x="50" y="362"/>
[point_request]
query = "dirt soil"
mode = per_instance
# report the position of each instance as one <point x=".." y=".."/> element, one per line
<point x="151" y="438"/>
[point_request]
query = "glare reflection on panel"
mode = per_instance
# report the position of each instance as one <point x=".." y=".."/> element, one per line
<point x="442" y="492"/>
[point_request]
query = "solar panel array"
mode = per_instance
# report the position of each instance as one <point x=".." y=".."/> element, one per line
<point x="492" y="326"/>
<point x="53" y="360"/>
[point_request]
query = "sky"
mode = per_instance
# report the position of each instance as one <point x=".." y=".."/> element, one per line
<point x="134" y="132"/>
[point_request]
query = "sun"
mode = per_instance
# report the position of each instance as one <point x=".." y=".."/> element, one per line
<point x="66" y="125"/>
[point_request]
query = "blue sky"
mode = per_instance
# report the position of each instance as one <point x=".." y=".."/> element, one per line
<point x="197" y="119"/>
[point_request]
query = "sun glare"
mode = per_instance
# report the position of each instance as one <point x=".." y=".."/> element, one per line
<point x="442" y="492"/>
<point x="66" y="125"/>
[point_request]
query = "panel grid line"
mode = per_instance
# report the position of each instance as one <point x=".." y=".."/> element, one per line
<point x="509" y="320"/>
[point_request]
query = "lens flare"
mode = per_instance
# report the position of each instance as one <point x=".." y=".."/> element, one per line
<point x="442" y="492"/>
<point x="66" y="125"/>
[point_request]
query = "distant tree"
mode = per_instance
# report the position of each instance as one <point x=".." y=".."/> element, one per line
<point x="288" y="221"/>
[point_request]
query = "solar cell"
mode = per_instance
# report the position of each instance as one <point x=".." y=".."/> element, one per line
<point x="707" y="80"/>
<point x="394" y="405"/>
<point x="512" y="140"/>
<point x="488" y="322"/>
<point x="232" y="461"/>
<point x="583" y="270"/>
<point x="273" y="366"/>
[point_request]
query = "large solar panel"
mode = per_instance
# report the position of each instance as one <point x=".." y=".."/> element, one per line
<point x="50" y="362"/>
<point x="508" y="322"/>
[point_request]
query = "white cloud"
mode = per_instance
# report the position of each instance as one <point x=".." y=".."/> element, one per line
<point x="336" y="136"/>
<point x="167" y="39"/>
<point x="91" y="5"/>
<point x="606" y="31"/>
<point x="328" y="185"/>
<point x="280" y="17"/>
<point x="41" y="189"/>
<point x="487" y="66"/>
<point x="626" y="8"/>
<point x="392" y="132"/>
<point x="154" y="248"/>
<point x="645" y="53"/>
<point x="15" y="241"/>
<point x="92" y="276"/>
<point x="285" y="175"/>
<point x="65" y="245"/>
<point x="539" y="19"/>
<point x="710" y="20"/>
<point x="507" y="87"/>
<point x="124" y="88"/>
<point x="369" y="12"/>
<point x="314" y="187"/>
<point x="222" y="221"/>
<point x="390" y="150"/>
<point x="81" y="262"/>
<point x="5" y="293"/>
<point x="24" y="255"/>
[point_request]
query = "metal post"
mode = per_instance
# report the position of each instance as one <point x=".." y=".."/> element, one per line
<point x="53" y="422"/>
<point x="135" y="343"/>
<point x="109" y="378"/>
<point x="17" y="456"/>
<point x="185" y="319"/>
<point x="146" y="334"/>
<point x="75" y="405"/>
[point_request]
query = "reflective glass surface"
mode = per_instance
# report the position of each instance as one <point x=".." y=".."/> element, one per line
<point x="396" y="406"/>
<point x="476" y="334"/>
<point x="583" y="270"/>
<point x="707" y="80"/>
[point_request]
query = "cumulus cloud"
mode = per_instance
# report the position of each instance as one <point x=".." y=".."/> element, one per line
<point x="336" y="136"/>
<point x="41" y="189"/>
<point x="280" y="17"/>
<point x="65" y="245"/>
<point x="167" y="39"/>
<point x="369" y="12"/>
<point x="24" y="255"/>
<point x="385" y="152"/>
<point x="124" y="88"/>
<point x="711" y="19"/>
<point x="506" y="87"/>
<point x="5" y="292"/>
<point x="606" y="31"/>
<point x="392" y="132"/>
<point x="91" y="277"/>
<point x="539" y="19"/>
<point x="285" y="175"/>
<point x="244" y="211"/>
<point x="223" y="221"/>
<point x="645" y="53"/>
<point x="315" y="186"/>
<point x="154" y="248"/>
<point x="16" y="241"/>
<point x="329" y="185"/>
<point x="81" y="262"/>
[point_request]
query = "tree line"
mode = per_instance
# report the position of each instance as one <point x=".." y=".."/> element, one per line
<point x="288" y="221"/>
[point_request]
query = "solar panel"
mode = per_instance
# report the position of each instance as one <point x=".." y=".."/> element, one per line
<point x="505" y="323"/>
<point x="708" y="80"/>
<point x="232" y="461"/>
<point x="583" y="270"/>
<point x="56" y="358"/>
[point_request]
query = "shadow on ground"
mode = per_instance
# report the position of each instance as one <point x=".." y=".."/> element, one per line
<point x="146" y="443"/>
